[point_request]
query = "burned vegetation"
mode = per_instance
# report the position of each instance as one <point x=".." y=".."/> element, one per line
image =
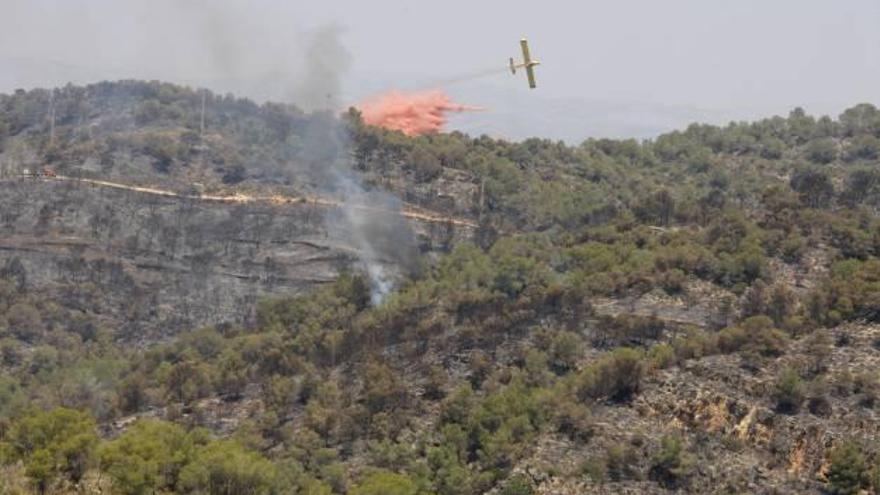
<point x="695" y="313"/>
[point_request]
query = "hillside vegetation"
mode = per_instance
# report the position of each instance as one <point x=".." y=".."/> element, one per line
<point x="694" y="313"/>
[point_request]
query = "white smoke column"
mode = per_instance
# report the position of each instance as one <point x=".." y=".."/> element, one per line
<point x="369" y="221"/>
<point x="357" y="223"/>
<point x="380" y="234"/>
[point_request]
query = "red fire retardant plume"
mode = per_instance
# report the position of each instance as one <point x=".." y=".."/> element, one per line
<point x="412" y="113"/>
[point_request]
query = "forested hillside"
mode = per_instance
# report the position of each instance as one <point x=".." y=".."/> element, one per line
<point x="694" y="313"/>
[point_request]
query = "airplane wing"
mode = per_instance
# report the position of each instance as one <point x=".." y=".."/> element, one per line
<point x="524" y="43"/>
<point x="527" y="62"/>
<point x="530" y="72"/>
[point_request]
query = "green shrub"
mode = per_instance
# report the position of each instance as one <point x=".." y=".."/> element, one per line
<point x="661" y="356"/>
<point x="621" y="462"/>
<point x="595" y="468"/>
<point x="385" y="483"/>
<point x="617" y="376"/>
<point x="148" y="457"/>
<point x="755" y="335"/>
<point x="226" y="468"/>
<point x="789" y="391"/>
<point x="518" y="484"/>
<point x="672" y="465"/>
<point x="565" y="350"/>
<point x="54" y="444"/>
<point x="848" y="471"/>
<point x="822" y="151"/>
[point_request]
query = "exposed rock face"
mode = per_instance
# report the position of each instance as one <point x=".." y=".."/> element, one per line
<point x="154" y="265"/>
<point x="726" y="412"/>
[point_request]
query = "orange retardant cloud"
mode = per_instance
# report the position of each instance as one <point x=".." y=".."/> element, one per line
<point x="411" y="113"/>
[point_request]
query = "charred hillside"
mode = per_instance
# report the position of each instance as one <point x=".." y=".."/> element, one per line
<point x="150" y="265"/>
<point x="692" y="314"/>
<point x="165" y="225"/>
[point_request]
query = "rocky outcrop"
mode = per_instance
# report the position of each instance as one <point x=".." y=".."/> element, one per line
<point x="154" y="264"/>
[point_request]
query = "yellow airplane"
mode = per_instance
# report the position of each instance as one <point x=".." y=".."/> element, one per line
<point x="527" y="63"/>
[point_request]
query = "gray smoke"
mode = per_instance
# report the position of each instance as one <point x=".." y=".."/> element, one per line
<point x="368" y="220"/>
<point x="254" y="48"/>
<point x="326" y="60"/>
<point x="309" y="63"/>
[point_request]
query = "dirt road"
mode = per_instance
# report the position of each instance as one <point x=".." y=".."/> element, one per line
<point x="407" y="211"/>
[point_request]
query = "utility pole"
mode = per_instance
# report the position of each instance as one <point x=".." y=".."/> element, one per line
<point x="52" y="117"/>
<point x="202" y="126"/>
<point x="201" y="146"/>
<point x="482" y="197"/>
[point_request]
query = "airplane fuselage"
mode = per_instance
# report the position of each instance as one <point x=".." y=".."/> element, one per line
<point x="528" y="64"/>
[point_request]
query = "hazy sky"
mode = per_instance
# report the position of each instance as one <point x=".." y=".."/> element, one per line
<point x="645" y="65"/>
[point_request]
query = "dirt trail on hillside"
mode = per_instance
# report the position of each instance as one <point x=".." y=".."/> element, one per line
<point x="407" y="211"/>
